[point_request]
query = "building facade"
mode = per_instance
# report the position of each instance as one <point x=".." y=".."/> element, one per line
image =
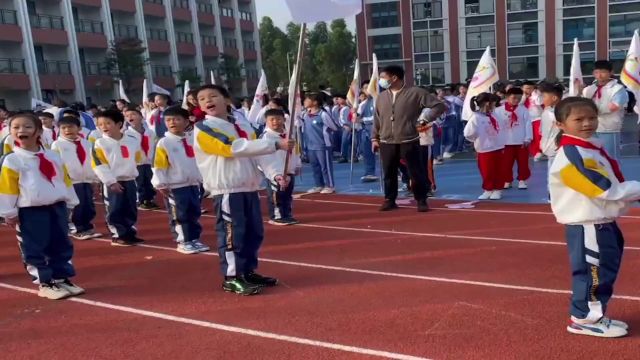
<point x="57" y="48"/>
<point x="440" y="42"/>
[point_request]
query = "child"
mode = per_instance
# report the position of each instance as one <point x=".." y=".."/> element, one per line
<point x="49" y="131"/>
<point x="225" y="151"/>
<point x="425" y="131"/>
<point x="84" y="132"/>
<point x="517" y="135"/>
<point x="344" y="121"/>
<point x="551" y="96"/>
<point x="488" y="139"/>
<point x="532" y="101"/>
<point x="147" y="140"/>
<point x="115" y="157"/>
<point x="155" y="117"/>
<point x="280" y="187"/>
<point x="588" y="193"/>
<point x="176" y="176"/>
<point x="318" y="125"/>
<point x="611" y="98"/>
<point x="35" y="195"/>
<point x="75" y="153"/>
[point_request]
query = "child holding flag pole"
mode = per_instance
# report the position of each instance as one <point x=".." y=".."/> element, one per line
<point x="353" y="97"/>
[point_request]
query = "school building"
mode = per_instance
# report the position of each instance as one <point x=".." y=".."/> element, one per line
<point x="440" y="42"/>
<point x="57" y="48"/>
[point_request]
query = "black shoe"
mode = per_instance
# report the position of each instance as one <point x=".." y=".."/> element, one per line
<point x="241" y="286"/>
<point x="257" y="279"/>
<point x="388" y="205"/>
<point x="423" y="206"/>
<point x="136" y="240"/>
<point x="292" y="221"/>
<point x="122" y="242"/>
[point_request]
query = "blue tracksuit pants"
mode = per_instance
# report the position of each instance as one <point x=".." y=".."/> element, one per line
<point x="122" y="210"/>
<point x="146" y="192"/>
<point x="184" y="209"/>
<point x="82" y="215"/>
<point x="322" y="166"/>
<point x="280" y="201"/>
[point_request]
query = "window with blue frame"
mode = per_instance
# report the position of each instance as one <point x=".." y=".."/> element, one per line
<point x="582" y="29"/>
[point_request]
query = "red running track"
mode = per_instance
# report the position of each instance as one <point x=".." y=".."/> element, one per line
<point x="484" y="283"/>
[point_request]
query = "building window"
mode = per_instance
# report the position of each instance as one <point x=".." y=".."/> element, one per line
<point x="623" y="26"/>
<point x="523" y="33"/>
<point x="427" y="41"/>
<point x="224" y="11"/>
<point x="587" y="60"/>
<point x="384" y="14"/>
<point x="578" y="2"/>
<point x="436" y="38"/>
<point x="430" y="74"/>
<point x="387" y="47"/>
<point x="523" y="68"/>
<point x="522" y="5"/>
<point x="476" y="7"/>
<point x="427" y="9"/>
<point x="421" y="42"/>
<point x="480" y="37"/>
<point x="582" y="29"/>
<point x="244" y="15"/>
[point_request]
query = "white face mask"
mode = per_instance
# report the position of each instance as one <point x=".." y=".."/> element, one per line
<point x="384" y="83"/>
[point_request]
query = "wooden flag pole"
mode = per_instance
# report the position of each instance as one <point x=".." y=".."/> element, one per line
<point x="292" y="110"/>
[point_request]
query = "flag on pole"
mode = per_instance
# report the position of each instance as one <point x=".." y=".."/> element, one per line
<point x="122" y="93"/>
<point x="373" y="90"/>
<point x="486" y="74"/>
<point x="213" y="78"/>
<point x="258" y="99"/>
<point x="575" y="74"/>
<point x="185" y="104"/>
<point x="353" y="96"/>
<point x="145" y="92"/>
<point x="309" y="11"/>
<point x="35" y="104"/>
<point x="294" y="96"/>
<point x="630" y="75"/>
<point x="158" y="90"/>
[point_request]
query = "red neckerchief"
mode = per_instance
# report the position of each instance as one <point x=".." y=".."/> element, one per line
<point x="241" y="133"/>
<point x="512" y="109"/>
<point x="144" y="144"/>
<point x="46" y="167"/>
<point x="54" y="136"/>
<point x="82" y="155"/>
<point x="598" y="93"/>
<point x="527" y="102"/>
<point x="283" y="136"/>
<point x="188" y="149"/>
<point x="494" y="122"/>
<point x="570" y="140"/>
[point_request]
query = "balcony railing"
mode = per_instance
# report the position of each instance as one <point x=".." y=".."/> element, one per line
<point x="47" y="22"/>
<point x="12" y="66"/>
<point x="8" y="17"/>
<point x="54" y="67"/>
<point x="162" y="70"/>
<point x="96" y="68"/>
<point x="123" y="31"/>
<point x="181" y="4"/>
<point x="157" y="34"/>
<point x="89" y="26"/>
<point x="208" y="40"/>
<point x="183" y="37"/>
<point x="160" y="2"/>
<point x="205" y="8"/>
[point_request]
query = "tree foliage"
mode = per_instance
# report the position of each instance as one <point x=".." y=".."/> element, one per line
<point x="125" y="59"/>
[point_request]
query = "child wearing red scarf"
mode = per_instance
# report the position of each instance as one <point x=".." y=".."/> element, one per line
<point x="532" y="101"/>
<point x="487" y="134"/>
<point x="147" y="138"/>
<point x="588" y="194"/>
<point x="517" y="135"/>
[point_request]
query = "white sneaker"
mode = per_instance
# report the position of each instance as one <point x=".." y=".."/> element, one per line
<point x="315" y="190"/>
<point x="603" y="328"/>
<point x="618" y="323"/>
<point x="522" y="185"/>
<point x="327" y="190"/>
<point x="507" y="185"/>
<point x="72" y="288"/>
<point x="202" y="247"/>
<point x="485" y="195"/>
<point x="53" y="292"/>
<point x="187" y="248"/>
<point x="447" y="155"/>
<point x="538" y="157"/>
<point x="496" y="195"/>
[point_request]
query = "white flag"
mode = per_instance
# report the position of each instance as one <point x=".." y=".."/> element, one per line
<point x="258" y="99"/>
<point x="309" y="11"/>
<point x="353" y="95"/>
<point x="145" y="92"/>
<point x="486" y="74"/>
<point x="575" y="74"/>
<point x="185" y="104"/>
<point x="630" y="74"/>
<point x="158" y="90"/>
<point x="122" y="93"/>
<point x="295" y="104"/>
<point x="213" y="77"/>
<point x="35" y="103"/>
<point x="373" y="90"/>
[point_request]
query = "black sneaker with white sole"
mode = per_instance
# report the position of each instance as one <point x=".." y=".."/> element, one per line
<point x="257" y="279"/>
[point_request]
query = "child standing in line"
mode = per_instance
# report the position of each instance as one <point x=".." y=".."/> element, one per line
<point x="280" y="186"/>
<point x="588" y="193"/>
<point x="49" y="131"/>
<point x="346" y="124"/>
<point x="425" y="131"/>
<point x="115" y="157"/>
<point x="75" y="153"/>
<point x="487" y="135"/>
<point x="225" y="152"/>
<point x="155" y="117"/>
<point x="318" y="126"/>
<point x="517" y="135"/>
<point x="35" y="195"/>
<point x="551" y="96"/>
<point x="532" y="102"/>
<point x="147" y="138"/>
<point x="176" y="176"/>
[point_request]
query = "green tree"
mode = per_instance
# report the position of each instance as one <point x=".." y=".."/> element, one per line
<point x="125" y="59"/>
<point x="190" y="74"/>
<point x="232" y="70"/>
<point x="275" y="47"/>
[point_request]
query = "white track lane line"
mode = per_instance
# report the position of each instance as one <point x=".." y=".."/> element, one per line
<point x="227" y="328"/>
<point x="396" y="275"/>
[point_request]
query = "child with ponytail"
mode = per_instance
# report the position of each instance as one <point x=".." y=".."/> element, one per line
<point x="486" y="133"/>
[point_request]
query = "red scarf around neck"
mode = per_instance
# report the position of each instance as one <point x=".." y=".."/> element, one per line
<point x="188" y="149"/>
<point x="570" y="140"/>
<point x="82" y="155"/>
<point x="494" y="122"/>
<point x="513" y="119"/>
<point x="46" y="167"/>
<point x="598" y="93"/>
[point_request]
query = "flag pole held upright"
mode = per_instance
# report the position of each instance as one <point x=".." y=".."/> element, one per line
<point x="297" y="71"/>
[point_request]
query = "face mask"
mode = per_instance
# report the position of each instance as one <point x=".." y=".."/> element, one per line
<point x="384" y="83"/>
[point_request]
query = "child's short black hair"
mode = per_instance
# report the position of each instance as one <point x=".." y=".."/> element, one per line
<point x="45" y="114"/>
<point x="122" y="101"/>
<point x="477" y="102"/>
<point x="340" y="96"/>
<point x="364" y="82"/>
<point x="176" y="111"/>
<point x="70" y="112"/>
<point x="603" y="65"/>
<point x="92" y="106"/>
<point x="165" y="96"/>
<point x="69" y="120"/>
<point x="551" y="88"/>
<point x="114" y="115"/>
<point x="132" y="107"/>
<point x="528" y="83"/>
<point x="221" y="89"/>
<point x="28" y="115"/>
<point x="515" y="91"/>
<point x="394" y="70"/>
<point x="273" y="112"/>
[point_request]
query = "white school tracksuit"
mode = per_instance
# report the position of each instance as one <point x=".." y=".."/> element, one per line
<point x="609" y="123"/>
<point x="533" y="103"/>
<point x="487" y="133"/>
<point x="517" y="131"/>
<point x="147" y="141"/>
<point x="588" y="193"/>
<point x="36" y="188"/>
<point x="175" y="169"/>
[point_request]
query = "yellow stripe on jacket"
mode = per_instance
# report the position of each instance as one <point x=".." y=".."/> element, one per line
<point x="584" y="175"/>
<point x="9" y="181"/>
<point x="161" y="160"/>
<point x="214" y="141"/>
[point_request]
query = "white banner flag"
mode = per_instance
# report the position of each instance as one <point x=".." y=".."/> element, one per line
<point x="373" y="90"/>
<point x="35" y="104"/>
<point x="486" y="74"/>
<point x="575" y="74"/>
<point x="185" y="104"/>
<point x="213" y="77"/>
<point x="309" y="11"/>
<point x="158" y="90"/>
<point x="630" y="75"/>
<point x="258" y="99"/>
<point x="145" y="92"/>
<point x="353" y="95"/>
<point x="122" y="93"/>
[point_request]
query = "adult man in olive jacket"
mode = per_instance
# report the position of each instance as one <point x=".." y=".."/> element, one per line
<point x="395" y="133"/>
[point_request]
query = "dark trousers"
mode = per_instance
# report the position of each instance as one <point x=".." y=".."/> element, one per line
<point x="322" y="166"/>
<point x="143" y="184"/>
<point x="391" y="155"/>
<point x="595" y="252"/>
<point x="122" y="210"/>
<point x="82" y="215"/>
<point x="184" y="213"/>
<point x="43" y="236"/>
<point x="280" y="201"/>
<point x="239" y="231"/>
<point x="427" y="163"/>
